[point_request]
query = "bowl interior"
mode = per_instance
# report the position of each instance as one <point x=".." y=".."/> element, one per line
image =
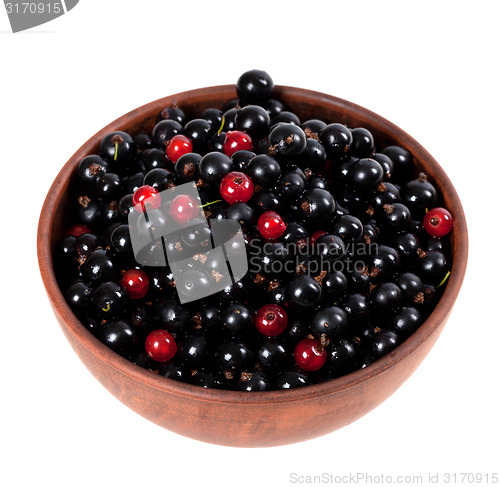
<point x="57" y="211"/>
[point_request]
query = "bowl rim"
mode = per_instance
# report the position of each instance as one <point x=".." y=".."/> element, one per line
<point x="330" y="387"/>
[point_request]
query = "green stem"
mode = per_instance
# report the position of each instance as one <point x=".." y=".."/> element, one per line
<point x="116" y="151"/>
<point x="445" y="278"/>
<point x="208" y="204"/>
<point x="222" y="124"/>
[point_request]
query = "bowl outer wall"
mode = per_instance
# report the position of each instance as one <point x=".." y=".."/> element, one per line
<point x="240" y="418"/>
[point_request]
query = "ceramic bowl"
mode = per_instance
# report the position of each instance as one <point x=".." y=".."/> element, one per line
<point x="258" y="418"/>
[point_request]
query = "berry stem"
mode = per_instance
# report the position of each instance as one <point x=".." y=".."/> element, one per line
<point x="210" y="203"/>
<point x="445" y="278"/>
<point x="221" y="125"/>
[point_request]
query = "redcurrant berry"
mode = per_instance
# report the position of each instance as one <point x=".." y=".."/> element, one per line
<point x="271" y="320"/>
<point x="438" y="222"/>
<point x="271" y="225"/>
<point x="235" y="141"/>
<point x="146" y="197"/>
<point x="136" y="283"/>
<point x="309" y="355"/>
<point x="236" y="187"/>
<point x="160" y="345"/>
<point x="178" y="146"/>
<point x="184" y="208"/>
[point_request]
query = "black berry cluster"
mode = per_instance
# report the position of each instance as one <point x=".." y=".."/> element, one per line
<point x="347" y="245"/>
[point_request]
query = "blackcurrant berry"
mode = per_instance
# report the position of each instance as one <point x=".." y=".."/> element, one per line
<point x="329" y="322"/>
<point x="291" y="379"/>
<point x="403" y="163"/>
<point x="88" y="211"/>
<point x="266" y="201"/>
<point x="386" y="162"/>
<point x="242" y="213"/>
<point x="274" y="107"/>
<point x="253" y="381"/>
<point x="316" y="205"/>
<point x="195" y="352"/>
<point x="287" y="140"/>
<point x="118" y="148"/>
<point x="432" y="267"/>
<point x="272" y="356"/>
<point x="253" y="120"/>
<point x="164" y="131"/>
<point x="208" y="380"/>
<point x="172" y="316"/>
<point x="395" y="218"/>
<point x="233" y="357"/>
<point x="121" y="337"/>
<point x="110" y="300"/>
<point x="337" y="139"/>
<point x="419" y="195"/>
<point x="357" y="308"/>
<point x="213" y="167"/>
<point x="143" y="141"/>
<point x="84" y="245"/>
<point x="344" y="356"/>
<point x="362" y="144"/>
<point x="386" y="296"/>
<point x="91" y="168"/>
<point x="98" y="267"/>
<point x="313" y="128"/>
<point x="173" y="112"/>
<point x="213" y="116"/>
<point x="78" y="298"/>
<point x="155" y="158"/>
<point x="365" y="174"/>
<point x="237" y="319"/>
<point x="176" y="372"/>
<point x="241" y="159"/>
<point x="408" y="246"/>
<point x="264" y="171"/>
<point x="199" y="131"/>
<point x="285" y="117"/>
<point x="348" y="228"/>
<point x="159" y="179"/>
<point x="405" y="321"/>
<point x="254" y="86"/>
<point x="382" y="343"/>
<point x="411" y="285"/>
<point x="313" y="157"/>
<point x="334" y="285"/>
<point x="303" y="292"/>
<point x="384" y="263"/>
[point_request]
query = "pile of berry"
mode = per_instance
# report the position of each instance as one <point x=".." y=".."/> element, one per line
<point x="347" y="245"/>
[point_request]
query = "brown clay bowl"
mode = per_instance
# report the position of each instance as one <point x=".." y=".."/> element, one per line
<point x="259" y="418"/>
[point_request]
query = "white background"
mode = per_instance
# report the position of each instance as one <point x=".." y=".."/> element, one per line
<point x="430" y="68"/>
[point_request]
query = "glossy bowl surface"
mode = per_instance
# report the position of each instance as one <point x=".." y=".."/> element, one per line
<point x="240" y="418"/>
